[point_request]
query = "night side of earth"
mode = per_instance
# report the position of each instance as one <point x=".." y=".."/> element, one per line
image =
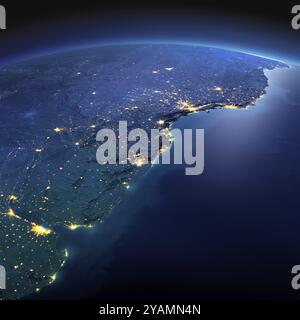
<point x="51" y="110"/>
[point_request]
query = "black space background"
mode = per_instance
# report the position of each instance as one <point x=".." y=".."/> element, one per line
<point x="31" y="11"/>
<point x="24" y="13"/>
<point x="36" y="26"/>
<point x="32" y="27"/>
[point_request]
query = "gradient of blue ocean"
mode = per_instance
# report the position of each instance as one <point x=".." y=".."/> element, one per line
<point x="232" y="232"/>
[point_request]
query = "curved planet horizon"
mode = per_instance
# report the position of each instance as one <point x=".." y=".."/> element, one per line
<point x="65" y="99"/>
<point x="225" y="45"/>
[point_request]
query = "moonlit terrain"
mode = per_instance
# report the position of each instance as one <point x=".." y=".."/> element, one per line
<point x="52" y="108"/>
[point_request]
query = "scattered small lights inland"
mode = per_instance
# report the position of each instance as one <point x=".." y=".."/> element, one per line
<point x="50" y="178"/>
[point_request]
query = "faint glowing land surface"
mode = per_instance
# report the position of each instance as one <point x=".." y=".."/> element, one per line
<point x="51" y="109"/>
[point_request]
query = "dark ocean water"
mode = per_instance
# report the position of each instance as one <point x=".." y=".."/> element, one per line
<point x="232" y="232"/>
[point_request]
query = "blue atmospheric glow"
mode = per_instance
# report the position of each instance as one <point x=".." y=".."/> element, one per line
<point x="187" y="42"/>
